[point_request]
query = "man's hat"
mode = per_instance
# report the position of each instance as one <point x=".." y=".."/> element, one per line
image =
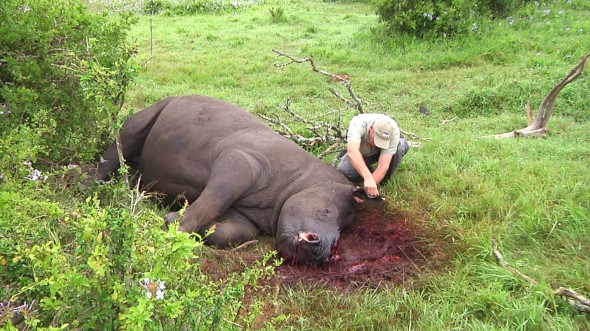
<point x="383" y="129"/>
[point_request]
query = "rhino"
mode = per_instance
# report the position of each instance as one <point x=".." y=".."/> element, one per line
<point x="240" y="178"/>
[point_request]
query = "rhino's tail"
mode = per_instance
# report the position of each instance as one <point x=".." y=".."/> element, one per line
<point x="132" y="137"/>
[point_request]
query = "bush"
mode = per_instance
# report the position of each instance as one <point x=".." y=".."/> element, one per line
<point x="423" y="18"/>
<point x="426" y="18"/>
<point x="64" y="71"/>
<point x="100" y="265"/>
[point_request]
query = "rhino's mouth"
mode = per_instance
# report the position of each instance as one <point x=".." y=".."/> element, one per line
<point x="334" y="255"/>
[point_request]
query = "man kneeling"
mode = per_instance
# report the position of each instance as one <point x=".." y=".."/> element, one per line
<point x="372" y="138"/>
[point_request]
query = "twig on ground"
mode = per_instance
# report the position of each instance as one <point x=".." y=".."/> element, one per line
<point x="246" y="244"/>
<point x="509" y="267"/>
<point x="576" y="300"/>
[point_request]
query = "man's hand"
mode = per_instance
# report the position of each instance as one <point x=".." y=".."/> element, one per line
<point x="371" y="187"/>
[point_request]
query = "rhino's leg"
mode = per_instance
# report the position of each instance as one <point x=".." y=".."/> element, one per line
<point x="233" y="175"/>
<point x="231" y="229"/>
<point x="132" y="136"/>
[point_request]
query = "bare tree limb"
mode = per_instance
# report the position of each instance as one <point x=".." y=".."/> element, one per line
<point x="538" y="126"/>
<point x="325" y="133"/>
<point x="510" y="268"/>
<point x="246" y="244"/>
<point x="358" y="102"/>
<point x="330" y="134"/>
<point x="529" y="111"/>
<point x="578" y="301"/>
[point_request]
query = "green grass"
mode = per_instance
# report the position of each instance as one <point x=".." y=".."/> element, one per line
<point x="533" y="195"/>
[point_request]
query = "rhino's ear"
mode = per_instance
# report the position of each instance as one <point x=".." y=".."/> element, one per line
<point x="361" y="195"/>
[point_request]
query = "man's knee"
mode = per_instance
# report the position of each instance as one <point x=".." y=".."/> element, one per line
<point x="346" y="168"/>
<point x="402" y="147"/>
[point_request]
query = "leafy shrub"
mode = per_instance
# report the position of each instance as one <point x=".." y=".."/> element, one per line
<point x="63" y="71"/>
<point x="188" y="7"/>
<point x="426" y="17"/>
<point x="422" y="18"/>
<point x="499" y="8"/>
<point x="95" y="265"/>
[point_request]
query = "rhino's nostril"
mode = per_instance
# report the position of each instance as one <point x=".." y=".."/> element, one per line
<point x="309" y="237"/>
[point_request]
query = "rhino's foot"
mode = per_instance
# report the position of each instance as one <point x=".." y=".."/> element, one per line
<point x="170" y="218"/>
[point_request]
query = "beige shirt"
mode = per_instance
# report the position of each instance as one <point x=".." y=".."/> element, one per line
<point x="358" y="130"/>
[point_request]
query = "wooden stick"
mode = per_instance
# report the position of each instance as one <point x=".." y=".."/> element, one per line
<point x="509" y="267"/>
<point x="576" y="300"/>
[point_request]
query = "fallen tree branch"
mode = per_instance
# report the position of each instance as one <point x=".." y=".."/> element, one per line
<point x="529" y="111"/>
<point x="246" y="244"/>
<point x="538" y="127"/>
<point x="356" y="104"/>
<point x="510" y="268"/>
<point x="325" y="133"/>
<point x="576" y="300"/>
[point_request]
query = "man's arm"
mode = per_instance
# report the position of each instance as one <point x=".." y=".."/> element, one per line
<point x="382" y="167"/>
<point x="353" y="150"/>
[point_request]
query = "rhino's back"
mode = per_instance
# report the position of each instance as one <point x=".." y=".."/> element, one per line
<point x="192" y="131"/>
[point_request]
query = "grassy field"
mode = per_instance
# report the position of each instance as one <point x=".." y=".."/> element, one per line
<point x="79" y="260"/>
<point x="532" y="195"/>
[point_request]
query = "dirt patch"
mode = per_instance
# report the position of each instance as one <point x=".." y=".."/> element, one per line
<point x="379" y="247"/>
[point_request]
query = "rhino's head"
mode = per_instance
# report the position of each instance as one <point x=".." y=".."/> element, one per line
<point x="310" y="222"/>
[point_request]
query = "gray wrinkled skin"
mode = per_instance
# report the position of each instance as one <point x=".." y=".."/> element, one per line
<point x="237" y="174"/>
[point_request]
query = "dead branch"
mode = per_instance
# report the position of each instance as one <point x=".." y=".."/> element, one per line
<point x="346" y="101"/>
<point x="576" y="300"/>
<point x="510" y="268"/>
<point x="325" y="133"/>
<point x="246" y="244"/>
<point x="288" y="133"/>
<point x="538" y="127"/>
<point x="332" y="149"/>
<point x="529" y="111"/>
<point x="358" y="102"/>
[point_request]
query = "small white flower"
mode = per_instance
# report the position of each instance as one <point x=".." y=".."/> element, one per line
<point x="153" y="288"/>
<point x="72" y="166"/>
<point x="36" y="175"/>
